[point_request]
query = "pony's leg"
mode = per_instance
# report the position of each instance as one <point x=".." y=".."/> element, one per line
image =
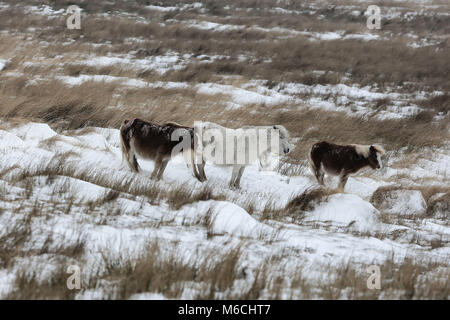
<point x="162" y="168"/>
<point x="135" y="164"/>
<point x="191" y="163"/>
<point x="158" y="164"/>
<point x="319" y="174"/>
<point x="201" y="170"/>
<point x="342" y="181"/>
<point x="132" y="160"/>
<point x="234" y="175"/>
<point x="237" y="183"/>
<point x="263" y="161"/>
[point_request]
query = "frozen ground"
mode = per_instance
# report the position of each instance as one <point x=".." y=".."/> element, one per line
<point x="42" y="170"/>
<point x="66" y="198"/>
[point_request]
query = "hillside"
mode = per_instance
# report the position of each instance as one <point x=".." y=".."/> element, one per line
<point x="67" y="198"/>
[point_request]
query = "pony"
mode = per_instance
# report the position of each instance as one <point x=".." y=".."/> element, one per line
<point x="239" y="147"/>
<point x="156" y="142"/>
<point x="343" y="160"/>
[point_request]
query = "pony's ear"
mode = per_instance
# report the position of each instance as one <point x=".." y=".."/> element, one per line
<point x="275" y="127"/>
<point x="379" y="149"/>
<point x="372" y="149"/>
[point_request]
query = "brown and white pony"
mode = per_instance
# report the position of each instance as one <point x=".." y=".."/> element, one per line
<point x="152" y="141"/>
<point x="342" y="161"/>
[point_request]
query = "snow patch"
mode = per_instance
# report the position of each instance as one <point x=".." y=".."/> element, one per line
<point x="33" y="131"/>
<point x="346" y="210"/>
<point x="403" y="202"/>
<point x="148" y="296"/>
<point x="3" y="63"/>
<point x="8" y="140"/>
<point x="233" y="220"/>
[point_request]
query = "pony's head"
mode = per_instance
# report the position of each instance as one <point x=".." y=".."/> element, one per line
<point x="284" y="145"/>
<point x="374" y="158"/>
<point x="372" y="153"/>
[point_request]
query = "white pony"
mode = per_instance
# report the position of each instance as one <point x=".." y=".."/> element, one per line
<point x="239" y="147"/>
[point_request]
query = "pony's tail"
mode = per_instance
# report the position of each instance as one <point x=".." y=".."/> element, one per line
<point x="189" y="158"/>
<point x="315" y="167"/>
<point x="127" y="154"/>
<point x="311" y="162"/>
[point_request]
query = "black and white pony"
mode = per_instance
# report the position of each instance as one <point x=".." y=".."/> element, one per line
<point x="148" y="140"/>
<point x="339" y="160"/>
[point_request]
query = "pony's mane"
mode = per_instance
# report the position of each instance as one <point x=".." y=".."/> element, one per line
<point x="283" y="130"/>
<point x="173" y="123"/>
<point x="364" y="150"/>
<point x="361" y="149"/>
<point x="379" y="149"/>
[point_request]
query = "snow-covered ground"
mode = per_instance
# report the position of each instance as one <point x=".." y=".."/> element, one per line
<point x="350" y="98"/>
<point x="81" y="168"/>
<point x="67" y="198"/>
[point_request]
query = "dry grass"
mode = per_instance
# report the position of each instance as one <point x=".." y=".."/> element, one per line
<point x="386" y="63"/>
<point x="317" y="125"/>
<point x="407" y="279"/>
<point x="212" y="275"/>
<point x="135" y="185"/>
<point x="436" y="198"/>
<point x="183" y="195"/>
<point x="369" y="62"/>
<point x="274" y="61"/>
<point x="440" y="103"/>
<point x="167" y="273"/>
<point x="439" y="206"/>
<point x="29" y="287"/>
<point x="64" y="108"/>
<point x="298" y="206"/>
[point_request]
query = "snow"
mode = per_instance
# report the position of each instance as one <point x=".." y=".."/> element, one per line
<point x="284" y="32"/>
<point x="3" y="63"/>
<point x="350" y="98"/>
<point x="404" y="202"/>
<point x="242" y="96"/>
<point x="33" y="132"/>
<point x="163" y="9"/>
<point x="75" y="81"/>
<point x="195" y="5"/>
<point x="9" y="140"/>
<point x="160" y="63"/>
<point x="364" y="37"/>
<point x="44" y="10"/>
<point x="342" y="89"/>
<point x="327" y="36"/>
<point x="232" y="219"/>
<point x="6" y="282"/>
<point x="116" y="226"/>
<point x="120" y="230"/>
<point x="148" y="296"/>
<point x="364" y="187"/>
<point x="346" y="210"/>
